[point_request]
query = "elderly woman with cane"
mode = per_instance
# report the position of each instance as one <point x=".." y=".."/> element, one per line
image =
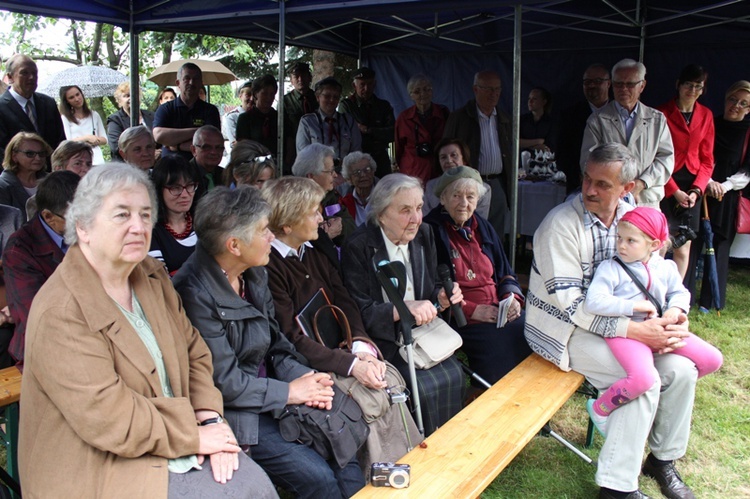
<point x="394" y="232"/>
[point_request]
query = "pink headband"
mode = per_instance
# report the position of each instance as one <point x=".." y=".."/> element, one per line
<point x="651" y="221"/>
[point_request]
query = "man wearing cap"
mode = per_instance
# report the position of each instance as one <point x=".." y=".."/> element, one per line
<point x="375" y="119"/>
<point x="22" y="109"/>
<point x="642" y="129"/>
<point x="326" y="125"/>
<point x="176" y="121"/>
<point x="297" y="103"/>
<point x="487" y="131"/>
<point x="574" y="238"/>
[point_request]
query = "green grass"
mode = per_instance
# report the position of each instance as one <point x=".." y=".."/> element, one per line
<point x="717" y="464"/>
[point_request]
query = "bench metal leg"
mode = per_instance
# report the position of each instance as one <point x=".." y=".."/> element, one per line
<point x="591" y="392"/>
<point x="547" y="431"/>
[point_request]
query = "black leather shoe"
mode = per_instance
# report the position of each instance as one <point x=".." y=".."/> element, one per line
<point x="637" y="494"/>
<point x="669" y="480"/>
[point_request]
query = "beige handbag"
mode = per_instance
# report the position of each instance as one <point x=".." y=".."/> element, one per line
<point x="433" y="343"/>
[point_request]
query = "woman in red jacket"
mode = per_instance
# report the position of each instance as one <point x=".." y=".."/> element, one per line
<point x="692" y="128"/>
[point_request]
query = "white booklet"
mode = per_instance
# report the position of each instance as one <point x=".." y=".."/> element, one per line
<point x="502" y="312"/>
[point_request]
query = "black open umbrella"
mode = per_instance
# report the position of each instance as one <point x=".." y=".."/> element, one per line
<point x="709" y="262"/>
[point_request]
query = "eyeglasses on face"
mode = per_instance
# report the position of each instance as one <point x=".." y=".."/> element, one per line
<point x="209" y="148"/>
<point x="32" y="154"/>
<point x="176" y="189"/>
<point x="692" y="86"/>
<point x="490" y="89"/>
<point x="332" y="173"/>
<point x="590" y="82"/>
<point x="362" y="171"/>
<point x="626" y="84"/>
<point x="742" y="104"/>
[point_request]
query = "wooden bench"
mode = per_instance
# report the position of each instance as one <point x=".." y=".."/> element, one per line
<point x="466" y="454"/>
<point x="10" y="394"/>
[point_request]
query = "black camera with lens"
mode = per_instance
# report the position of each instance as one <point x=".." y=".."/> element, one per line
<point x="393" y="475"/>
<point x="684" y="232"/>
<point x="424" y="149"/>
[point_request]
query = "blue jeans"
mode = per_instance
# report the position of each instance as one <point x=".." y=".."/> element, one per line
<point x="299" y="469"/>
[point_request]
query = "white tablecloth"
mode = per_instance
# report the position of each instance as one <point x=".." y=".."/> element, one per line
<point x="535" y="200"/>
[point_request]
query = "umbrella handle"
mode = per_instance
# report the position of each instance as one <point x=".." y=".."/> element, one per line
<point x="705" y="207"/>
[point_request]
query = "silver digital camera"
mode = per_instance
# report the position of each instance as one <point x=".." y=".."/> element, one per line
<point x="393" y="475"/>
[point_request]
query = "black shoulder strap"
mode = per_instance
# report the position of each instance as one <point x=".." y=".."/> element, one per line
<point x="640" y="285"/>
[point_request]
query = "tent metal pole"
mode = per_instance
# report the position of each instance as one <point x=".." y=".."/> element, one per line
<point x="359" y="45"/>
<point x="134" y="71"/>
<point x="640" y="15"/>
<point x="514" y="156"/>
<point x="282" y="65"/>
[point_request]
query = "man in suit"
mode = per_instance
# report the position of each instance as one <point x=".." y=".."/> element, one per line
<point x="24" y="110"/>
<point x="301" y="100"/>
<point x="35" y="250"/>
<point x="487" y="131"/>
<point x="596" y="84"/>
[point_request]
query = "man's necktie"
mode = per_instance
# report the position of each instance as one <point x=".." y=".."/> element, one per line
<point x="30" y="113"/>
<point x="306" y="107"/>
<point x="331" y="130"/>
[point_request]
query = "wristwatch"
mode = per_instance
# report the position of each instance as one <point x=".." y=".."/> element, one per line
<point x="216" y="420"/>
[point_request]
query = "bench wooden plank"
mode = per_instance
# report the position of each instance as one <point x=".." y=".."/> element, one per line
<point x="465" y="455"/>
<point x="10" y="385"/>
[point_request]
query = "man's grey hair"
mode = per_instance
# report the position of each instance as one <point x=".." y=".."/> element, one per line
<point x="386" y="189"/>
<point x="613" y="152"/>
<point x="225" y="213"/>
<point x="352" y="159"/>
<point x="99" y="183"/>
<point x="485" y="73"/>
<point x="310" y="160"/>
<point x="192" y="67"/>
<point x="205" y="130"/>
<point x="630" y="64"/>
<point x="132" y="134"/>
<point x="416" y="80"/>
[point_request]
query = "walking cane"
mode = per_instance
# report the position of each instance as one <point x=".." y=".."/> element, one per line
<point x="388" y="272"/>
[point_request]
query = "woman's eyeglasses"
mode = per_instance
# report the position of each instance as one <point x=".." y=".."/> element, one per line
<point x="32" y="154"/>
<point x="176" y="189"/>
<point x="742" y="104"/>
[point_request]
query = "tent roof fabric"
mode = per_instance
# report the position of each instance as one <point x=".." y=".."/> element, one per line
<point x="439" y="26"/>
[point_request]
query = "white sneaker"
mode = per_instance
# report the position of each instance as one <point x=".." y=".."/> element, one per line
<point x="599" y="421"/>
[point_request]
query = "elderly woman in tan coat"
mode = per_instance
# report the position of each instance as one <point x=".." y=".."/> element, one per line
<point x="118" y="398"/>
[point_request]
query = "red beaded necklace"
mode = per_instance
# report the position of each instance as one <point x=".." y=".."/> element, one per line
<point x="188" y="228"/>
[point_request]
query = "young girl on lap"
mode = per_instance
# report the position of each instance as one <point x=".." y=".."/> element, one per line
<point x="640" y="233"/>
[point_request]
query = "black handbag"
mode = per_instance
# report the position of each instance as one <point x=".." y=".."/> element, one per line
<point x="335" y="434"/>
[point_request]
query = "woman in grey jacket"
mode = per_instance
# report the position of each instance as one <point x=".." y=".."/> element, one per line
<point x="225" y="293"/>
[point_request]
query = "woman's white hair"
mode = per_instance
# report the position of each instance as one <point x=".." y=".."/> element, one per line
<point x="384" y="191"/>
<point x="99" y="183"/>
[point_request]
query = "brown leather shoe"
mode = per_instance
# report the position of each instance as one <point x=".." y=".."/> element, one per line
<point x="669" y="480"/>
<point x="636" y="494"/>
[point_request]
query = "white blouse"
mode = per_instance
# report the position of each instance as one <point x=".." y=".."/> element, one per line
<point x="91" y="125"/>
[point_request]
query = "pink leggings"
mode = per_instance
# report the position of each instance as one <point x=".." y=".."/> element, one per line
<point x="638" y="361"/>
